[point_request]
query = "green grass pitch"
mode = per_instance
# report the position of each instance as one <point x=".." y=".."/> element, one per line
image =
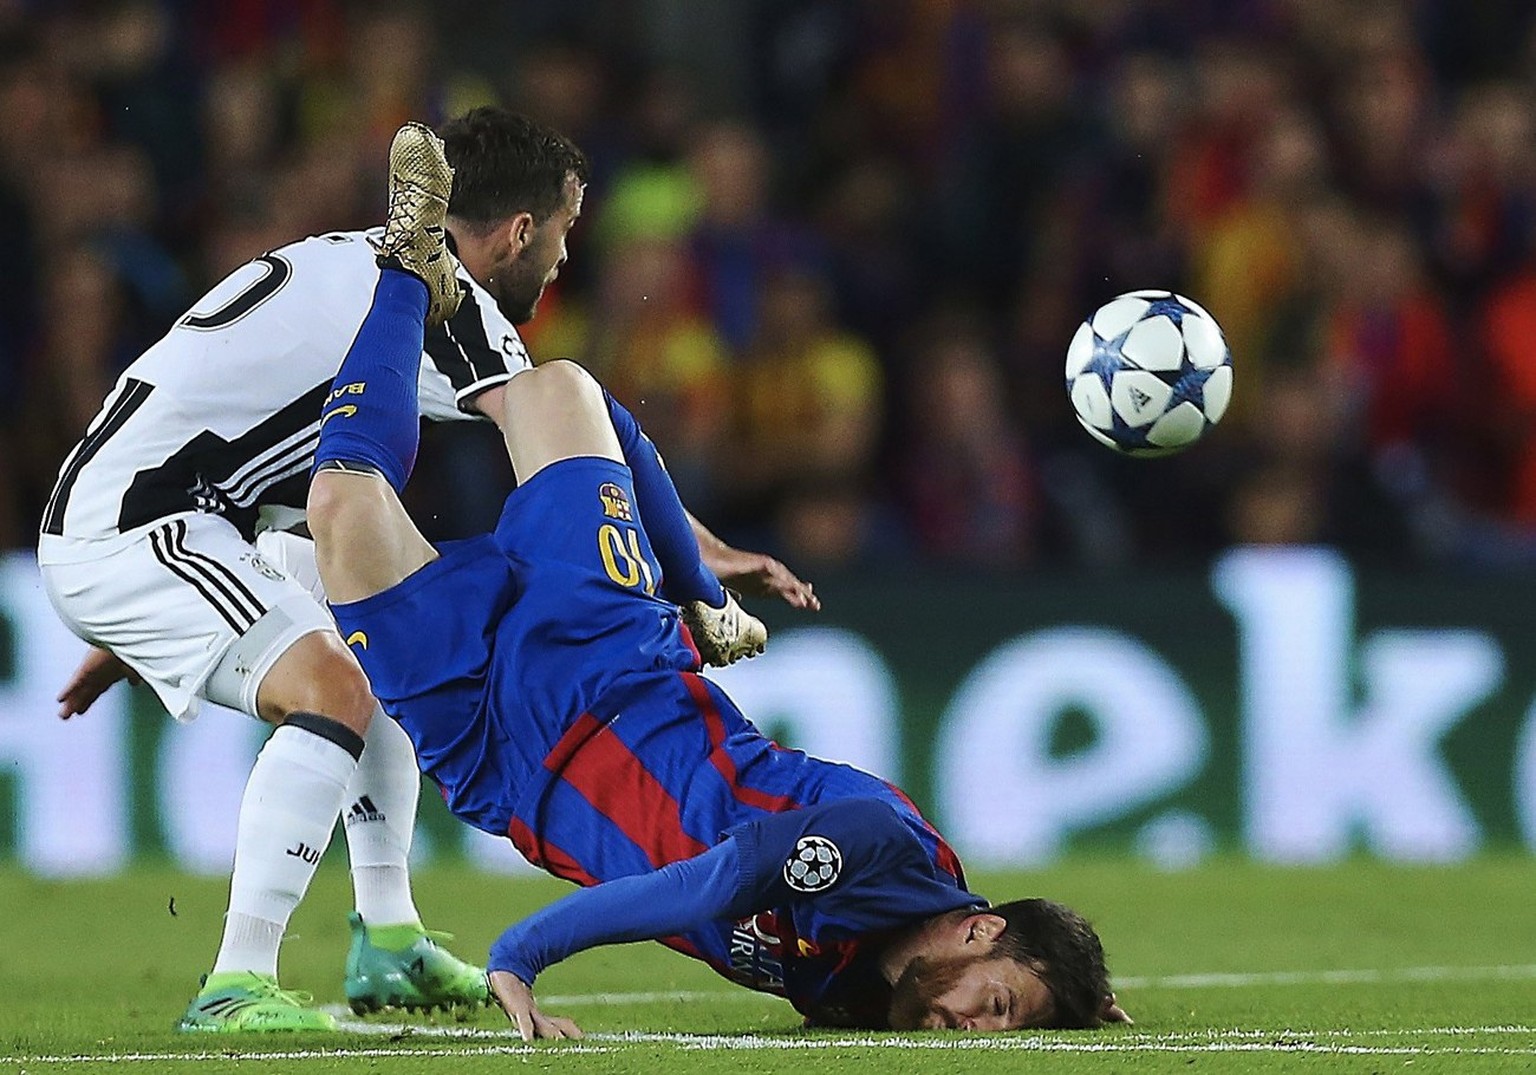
<point x="1230" y="967"/>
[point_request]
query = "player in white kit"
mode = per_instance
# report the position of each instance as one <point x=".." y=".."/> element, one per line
<point x="166" y="544"/>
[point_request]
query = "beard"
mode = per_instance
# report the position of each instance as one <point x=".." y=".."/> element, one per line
<point x="517" y="287"/>
<point x="518" y="298"/>
<point x="923" y="982"/>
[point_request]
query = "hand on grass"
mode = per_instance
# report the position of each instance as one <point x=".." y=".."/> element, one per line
<point x="516" y="999"/>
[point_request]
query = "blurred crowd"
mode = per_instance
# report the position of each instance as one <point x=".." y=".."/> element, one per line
<point x="833" y="250"/>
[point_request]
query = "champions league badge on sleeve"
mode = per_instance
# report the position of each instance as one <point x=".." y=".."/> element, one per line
<point x="815" y="865"/>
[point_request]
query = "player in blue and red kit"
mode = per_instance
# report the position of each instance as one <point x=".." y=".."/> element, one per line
<point x="551" y="690"/>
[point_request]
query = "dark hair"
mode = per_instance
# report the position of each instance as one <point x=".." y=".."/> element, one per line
<point x="505" y="164"/>
<point x="1061" y="947"/>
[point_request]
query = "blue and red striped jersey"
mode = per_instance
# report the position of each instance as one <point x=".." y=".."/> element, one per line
<point x="833" y="859"/>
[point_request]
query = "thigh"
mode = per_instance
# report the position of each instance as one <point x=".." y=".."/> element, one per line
<point x="571" y="418"/>
<point x="191" y="607"/>
<point x="315" y="674"/>
<point x="365" y="542"/>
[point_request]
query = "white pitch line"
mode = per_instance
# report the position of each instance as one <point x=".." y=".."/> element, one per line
<point x="348" y="1022"/>
<point x="1115" y="1040"/>
<point x="305" y="1054"/>
<point x="1040" y="1046"/>
<point x="1510" y="972"/>
<point x="1121" y="1038"/>
<point x="1514" y="972"/>
<point x="723" y="1043"/>
<point x="1219" y="1041"/>
<point x="1211" y="1041"/>
<point x="1290" y="1034"/>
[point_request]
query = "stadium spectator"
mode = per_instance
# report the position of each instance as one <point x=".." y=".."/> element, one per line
<point x="837" y="524"/>
<point x="808" y="398"/>
<point x="1005" y="172"/>
<point x="965" y="476"/>
<point x="1508" y="324"/>
<point x="663" y="360"/>
<point x="1308" y="483"/>
<point x="1389" y="348"/>
<point x="1249" y="257"/>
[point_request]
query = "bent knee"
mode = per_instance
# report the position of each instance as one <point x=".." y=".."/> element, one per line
<point x="561" y="378"/>
<point x="349" y="510"/>
<point x="333" y="497"/>
<point x="317" y="675"/>
<point x="561" y="371"/>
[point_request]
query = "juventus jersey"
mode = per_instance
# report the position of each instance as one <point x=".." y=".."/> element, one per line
<point x="222" y="415"/>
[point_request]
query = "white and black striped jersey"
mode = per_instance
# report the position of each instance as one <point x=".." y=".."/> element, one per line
<point x="222" y="415"/>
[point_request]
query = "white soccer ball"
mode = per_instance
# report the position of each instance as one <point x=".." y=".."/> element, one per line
<point x="1149" y="373"/>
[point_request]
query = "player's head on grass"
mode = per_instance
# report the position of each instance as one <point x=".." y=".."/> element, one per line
<point x="1029" y="963"/>
<point x="517" y="190"/>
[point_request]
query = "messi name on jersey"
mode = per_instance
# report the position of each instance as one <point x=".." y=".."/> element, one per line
<point x="757" y="953"/>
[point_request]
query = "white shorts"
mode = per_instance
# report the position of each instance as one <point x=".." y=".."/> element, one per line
<point x="188" y="604"/>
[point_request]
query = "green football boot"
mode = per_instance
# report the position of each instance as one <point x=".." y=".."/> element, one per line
<point x="244" y="1002"/>
<point x="405" y="967"/>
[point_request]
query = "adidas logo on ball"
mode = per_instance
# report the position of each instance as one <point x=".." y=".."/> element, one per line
<point x="1149" y="373"/>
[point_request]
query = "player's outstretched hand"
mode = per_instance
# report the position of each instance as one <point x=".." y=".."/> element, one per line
<point x="516" y="999"/>
<point x="752" y="573"/>
<point x="96" y="673"/>
<point x="757" y="574"/>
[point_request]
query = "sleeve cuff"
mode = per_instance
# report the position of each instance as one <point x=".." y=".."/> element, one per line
<point x="467" y="395"/>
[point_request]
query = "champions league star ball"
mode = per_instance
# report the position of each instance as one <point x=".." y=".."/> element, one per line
<point x="1149" y="373"/>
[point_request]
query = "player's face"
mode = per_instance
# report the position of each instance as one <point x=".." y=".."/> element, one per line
<point x="520" y="283"/>
<point x="969" y="993"/>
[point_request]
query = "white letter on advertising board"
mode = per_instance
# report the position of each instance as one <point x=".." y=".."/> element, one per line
<point x="1316" y="768"/>
<point x="1005" y="798"/>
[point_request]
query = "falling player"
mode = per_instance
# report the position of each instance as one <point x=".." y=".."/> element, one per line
<point x="150" y="549"/>
<point x="553" y="696"/>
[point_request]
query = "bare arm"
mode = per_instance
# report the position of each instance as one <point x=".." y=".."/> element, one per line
<point x="753" y="573"/>
<point x="493" y="404"/>
<point x="97" y="672"/>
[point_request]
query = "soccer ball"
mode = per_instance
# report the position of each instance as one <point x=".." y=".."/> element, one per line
<point x="1149" y="373"/>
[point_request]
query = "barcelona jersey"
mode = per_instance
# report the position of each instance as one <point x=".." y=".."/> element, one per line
<point x="555" y="699"/>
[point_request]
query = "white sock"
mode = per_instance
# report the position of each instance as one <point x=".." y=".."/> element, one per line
<point x="287" y="815"/>
<point x="249" y="944"/>
<point x="380" y="817"/>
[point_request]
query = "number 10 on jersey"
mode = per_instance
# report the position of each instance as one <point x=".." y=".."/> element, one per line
<point x="620" y="550"/>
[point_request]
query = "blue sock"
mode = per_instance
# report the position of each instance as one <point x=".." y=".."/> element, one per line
<point x="684" y="576"/>
<point x="372" y="416"/>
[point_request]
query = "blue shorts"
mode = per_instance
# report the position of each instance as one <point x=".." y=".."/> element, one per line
<point x="490" y="653"/>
